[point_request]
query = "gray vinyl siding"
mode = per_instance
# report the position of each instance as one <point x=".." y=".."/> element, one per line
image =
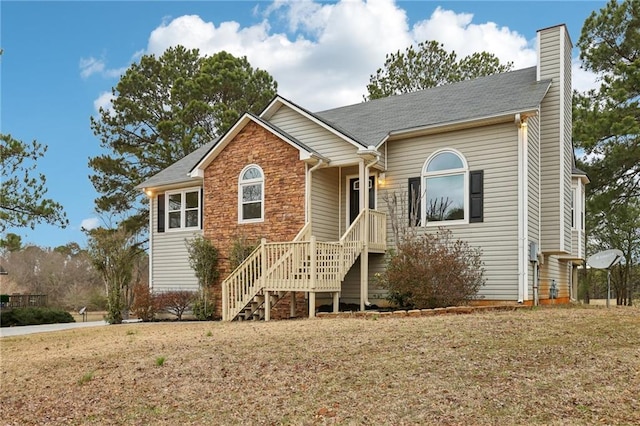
<point x="556" y="269"/>
<point x="493" y="149"/>
<point x="567" y="142"/>
<point x="351" y="285"/>
<point x="555" y="138"/>
<point x="170" y="268"/>
<point x="314" y="136"/>
<point x="324" y="204"/>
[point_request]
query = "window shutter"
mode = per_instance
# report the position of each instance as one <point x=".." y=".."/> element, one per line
<point x="414" y="196"/>
<point x="160" y="212"/>
<point x="201" y="208"/>
<point x="476" y="195"/>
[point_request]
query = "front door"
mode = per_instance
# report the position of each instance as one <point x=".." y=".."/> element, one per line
<point x="354" y="196"/>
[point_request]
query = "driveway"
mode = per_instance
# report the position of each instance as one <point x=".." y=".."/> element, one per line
<point x="29" y="329"/>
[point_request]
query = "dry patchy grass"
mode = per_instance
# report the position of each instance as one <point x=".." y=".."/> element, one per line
<point x="541" y="366"/>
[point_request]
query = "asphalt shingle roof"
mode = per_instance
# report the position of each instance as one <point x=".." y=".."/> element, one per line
<point x="370" y="122"/>
<point x="179" y="171"/>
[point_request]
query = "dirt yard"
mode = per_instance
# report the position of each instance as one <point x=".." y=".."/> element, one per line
<point x="548" y="366"/>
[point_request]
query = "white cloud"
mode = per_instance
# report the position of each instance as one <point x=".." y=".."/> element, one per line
<point x="330" y="50"/>
<point x="90" y="66"/>
<point x="104" y="101"/>
<point x="90" y="223"/>
<point x="458" y="33"/>
<point x="583" y="80"/>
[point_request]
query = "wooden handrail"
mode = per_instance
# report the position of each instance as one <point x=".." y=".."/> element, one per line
<point x="301" y="265"/>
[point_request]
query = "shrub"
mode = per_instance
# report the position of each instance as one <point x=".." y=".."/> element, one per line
<point x="240" y="250"/>
<point x="175" y="302"/>
<point x="34" y="316"/>
<point x="145" y="305"/>
<point x="433" y="270"/>
<point x="204" y="306"/>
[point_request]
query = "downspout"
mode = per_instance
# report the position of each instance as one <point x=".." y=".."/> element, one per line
<point x="523" y="217"/>
<point x="319" y="164"/>
<point x="150" y="195"/>
<point x="364" y="257"/>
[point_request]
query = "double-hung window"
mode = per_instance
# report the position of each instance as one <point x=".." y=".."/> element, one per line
<point x="183" y="209"/>
<point x="445" y="177"/>
<point x="251" y="194"/>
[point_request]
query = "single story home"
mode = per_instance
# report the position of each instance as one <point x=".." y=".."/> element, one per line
<point x="491" y="159"/>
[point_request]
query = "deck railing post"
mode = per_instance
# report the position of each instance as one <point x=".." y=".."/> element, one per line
<point x="312" y="287"/>
<point x="225" y="302"/>
<point x="263" y="262"/>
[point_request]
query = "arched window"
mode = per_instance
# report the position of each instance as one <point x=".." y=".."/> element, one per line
<point x="251" y="194"/>
<point x="445" y="177"/>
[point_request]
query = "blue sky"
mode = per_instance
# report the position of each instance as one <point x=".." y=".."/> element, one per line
<point x="61" y="60"/>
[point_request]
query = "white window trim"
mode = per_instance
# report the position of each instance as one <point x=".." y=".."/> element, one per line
<point x="241" y="184"/>
<point x="583" y="207"/>
<point x="450" y="172"/>
<point x="574" y="209"/>
<point x="183" y="204"/>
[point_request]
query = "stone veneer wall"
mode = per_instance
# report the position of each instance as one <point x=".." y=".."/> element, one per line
<point x="284" y="192"/>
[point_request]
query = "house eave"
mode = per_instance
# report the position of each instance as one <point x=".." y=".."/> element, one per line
<point x="154" y="189"/>
<point x="457" y="125"/>
<point x="583" y="178"/>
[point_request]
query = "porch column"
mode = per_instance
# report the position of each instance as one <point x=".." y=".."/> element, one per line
<point x="267" y="305"/>
<point x="292" y="306"/>
<point x="364" y="184"/>
<point x="336" y="302"/>
<point x="364" y="257"/>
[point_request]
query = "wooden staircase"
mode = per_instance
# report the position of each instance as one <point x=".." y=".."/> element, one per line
<point x="304" y="264"/>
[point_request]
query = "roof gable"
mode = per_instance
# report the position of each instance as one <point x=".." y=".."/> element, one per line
<point x="279" y="101"/>
<point x="223" y="141"/>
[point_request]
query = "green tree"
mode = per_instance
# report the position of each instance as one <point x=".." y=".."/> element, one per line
<point x="22" y="190"/>
<point x="607" y="120"/>
<point x="203" y="259"/>
<point x="607" y="127"/>
<point x="429" y="65"/>
<point x="114" y="252"/>
<point x="617" y="226"/>
<point x="11" y="242"/>
<point x="164" y="108"/>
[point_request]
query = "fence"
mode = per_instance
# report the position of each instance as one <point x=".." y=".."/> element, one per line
<point x="22" y="300"/>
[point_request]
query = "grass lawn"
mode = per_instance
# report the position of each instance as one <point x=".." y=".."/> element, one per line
<point x="578" y="365"/>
